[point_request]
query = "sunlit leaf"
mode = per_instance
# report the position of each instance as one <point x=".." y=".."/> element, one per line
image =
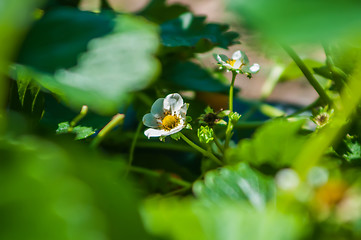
<point x="276" y="143"/>
<point x="235" y="183"/>
<point x="176" y="219"/>
<point x="345" y="53"/>
<point x="113" y="66"/>
<point x="56" y="40"/>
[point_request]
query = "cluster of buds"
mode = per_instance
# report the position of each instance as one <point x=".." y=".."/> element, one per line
<point x="322" y="117"/>
<point x="211" y="118"/>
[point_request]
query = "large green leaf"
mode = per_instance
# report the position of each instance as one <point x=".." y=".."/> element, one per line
<point x="193" y="220"/>
<point x="56" y="40"/>
<point x="276" y="143"/>
<point x="190" y="31"/>
<point x="158" y="11"/>
<point x="113" y="66"/>
<point x="235" y="183"/>
<point x="299" y="21"/>
<point x="190" y="76"/>
<point x="345" y="54"/>
<point x="54" y="192"/>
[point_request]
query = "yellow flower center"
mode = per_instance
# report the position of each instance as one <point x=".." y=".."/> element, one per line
<point x="231" y="62"/>
<point x="169" y="122"/>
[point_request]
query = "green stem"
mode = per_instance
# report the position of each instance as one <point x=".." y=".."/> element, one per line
<point x="309" y="107"/>
<point x="234" y="74"/>
<point x="218" y="144"/>
<point x="309" y="76"/>
<point x="229" y="132"/>
<point x="117" y="119"/>
<point x="132" y="147"/>
<point x="175" y="192"/>
<point x="201" y="150"/>
<point x="151" y="173"/>
<point x="81" y="115"/>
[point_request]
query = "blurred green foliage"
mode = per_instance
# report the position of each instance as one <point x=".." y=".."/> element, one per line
<point x="280" y="142"/>
<point x="58" y="58"/>
<point x="301" y="21"/>
<point x="112" y="67"/>
<point x="57" y="38"/>
<point x="190" y="219"/>
<point x="235" y="183"/>
<point x="63" y="191"/>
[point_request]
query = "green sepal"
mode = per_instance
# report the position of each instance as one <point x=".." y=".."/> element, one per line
<point x="176" y="136"/>
<point x="188" y="126"/>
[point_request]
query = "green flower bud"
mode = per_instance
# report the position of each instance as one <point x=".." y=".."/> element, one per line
<point x="205" y="134"/>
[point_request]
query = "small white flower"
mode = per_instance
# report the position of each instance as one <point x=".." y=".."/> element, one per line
<point x="167" y="116"/>
<point x="239" y="63"/>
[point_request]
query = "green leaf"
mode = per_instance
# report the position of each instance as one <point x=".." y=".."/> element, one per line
<point x="113" y="66"/>
<point x="345" y="54"/>
<point x="354" y="153"/>
<point x="56" y="40"/>
<point x="181" y="219"/>
<point x="300" y="21"/>
<point x="276" y="143"/>
<point x="158" y="11"/>
<point x="191" y="76"/>
<point x="292" y="71"/>
<point x="176" y="136"/>
<point x="73" y="192"/>
<point x="350" y="149"/>
<point x="26" y="96"/>
<point x="235" y="183"/>
<point x="191" y="31"/>
<point x="81" y="132"/>
<point x="323" y="71"/>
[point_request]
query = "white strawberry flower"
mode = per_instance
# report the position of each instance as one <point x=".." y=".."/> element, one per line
<point x="167" y="116"/>
<point x="239" y="63"/>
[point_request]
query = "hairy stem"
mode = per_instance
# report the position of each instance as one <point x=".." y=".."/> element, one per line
<point x="201" y="150"/>
<point x="229" y="129"/>
<point x="234" y="74"/>
<point x="218" y="143"/>
<point x="117" y="119"/>
<point x="132" y="147"/>
<point x="152" y="173"/>
<point x="80" y="116"/>
<point x="311" y="79"/>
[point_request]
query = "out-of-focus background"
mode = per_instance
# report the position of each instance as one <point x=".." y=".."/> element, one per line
<point x="297" y="91"/>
